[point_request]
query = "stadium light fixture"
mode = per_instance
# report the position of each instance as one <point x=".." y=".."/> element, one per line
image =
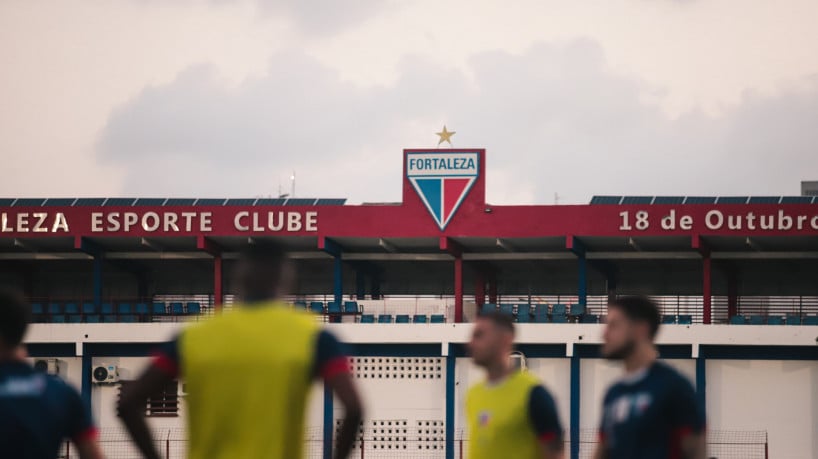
<point x="634" y="245"/>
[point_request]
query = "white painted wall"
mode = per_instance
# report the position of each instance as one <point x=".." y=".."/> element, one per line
<point x="780" y="397"/>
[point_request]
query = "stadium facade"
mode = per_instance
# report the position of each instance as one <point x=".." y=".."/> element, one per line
<point x="735" y="276"/>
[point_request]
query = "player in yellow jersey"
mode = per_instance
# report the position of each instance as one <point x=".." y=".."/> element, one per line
<point x="248" y="373"/>
<point x="510" y="414"/>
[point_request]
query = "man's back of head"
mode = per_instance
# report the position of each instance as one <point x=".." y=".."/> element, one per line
<point x="262" y="271"/>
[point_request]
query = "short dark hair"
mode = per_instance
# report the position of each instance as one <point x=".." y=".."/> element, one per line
<point x="504" y="321"/>
<point x="15" y="314"/>
<point x="640" y="309"/>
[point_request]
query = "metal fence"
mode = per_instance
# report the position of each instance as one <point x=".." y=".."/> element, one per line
<point x="171" y="444"/>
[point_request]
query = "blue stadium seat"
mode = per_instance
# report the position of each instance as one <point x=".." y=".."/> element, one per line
<point x="757" y="320"/>
<point x="590" y="319"/>
<point x="685" y="319"/>
<point x="37" y="308"/>
<point x="738" y="320"/>
<point x="793" y="320"/>
<point x="438" y="319"/>
<point x="158" y="309"/>
<point x="577" y="309"/>
<point x="523" y="313"/>
<point x="558" y="310"/>
<point x="106" y="309"/>
<point x="54" y="308"/>
<point x="92" y="318"/>
<point x="668" y="319"/>
<point x="74" y="319"/>
<point x="128" y="318"/>
<point x="775" y="320"/>
<point x="124" y="308"/>
<point x="333" y="308"/>
<point x="559" y="319"/>
<point x="72" y="308"/>
<point x="194" y="308"/>
<point x="141" y="309"/>
<point x="385" y="319"/>
<point x="317" y="307"/>
<point x="488" y="308"/>
<point x="300" y="305"/>
<point x="177" y="308"/>
<point x="419" y="319"/>
<point x="109" y="319"/>
<point x="89" y="308"/>
<point x="811" y="320"/>
<point x="402" y="319"/>
<point x="541" y="314"/>
<point x="507" y="309"/>
<point x="58" y="318"/>
<point x="351" y="307"/>
<point x="367" y="319"/>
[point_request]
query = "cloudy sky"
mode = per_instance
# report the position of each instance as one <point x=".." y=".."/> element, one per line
<point x="225" y="98"/>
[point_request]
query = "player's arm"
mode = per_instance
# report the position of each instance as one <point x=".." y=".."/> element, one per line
<point x="333" y="367"/>
<point x="688" y="420"/>
<point x="134" y="396"/>
<point x="542" y="413"/>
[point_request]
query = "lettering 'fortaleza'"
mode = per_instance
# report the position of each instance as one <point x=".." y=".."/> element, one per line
<point x="442" y="164"/>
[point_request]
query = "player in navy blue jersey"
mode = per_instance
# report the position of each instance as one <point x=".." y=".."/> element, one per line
<point x="38" y="412"/>
<point x="652" y="412"/>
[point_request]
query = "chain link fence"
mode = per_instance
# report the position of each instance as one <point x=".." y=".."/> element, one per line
<point x="172" y="444"/>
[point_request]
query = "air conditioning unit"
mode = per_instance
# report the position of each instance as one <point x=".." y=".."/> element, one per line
<point x="49" y="366"/>
<point x="105" y="374"/>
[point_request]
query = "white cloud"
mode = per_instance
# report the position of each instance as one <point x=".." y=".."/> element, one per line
<point x="554" y="119"/>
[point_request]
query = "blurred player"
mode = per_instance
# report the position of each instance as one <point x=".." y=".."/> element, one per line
<point x="38" y="412"/>
<point x="510" y="414"/>
<point x="652" y="412"/>
<point x="248" y="373"/>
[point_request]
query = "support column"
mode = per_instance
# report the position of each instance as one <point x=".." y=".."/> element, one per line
<point x="701" y="381"/>
<point x="732" y="293"/>
<point x="218" y="283"/>
<point x="329" y="422"/>
<point x="575" y="400"/>
<point x="86" y="383"/>
<point x="707" y="287"/>
<point x="451" y="359"/>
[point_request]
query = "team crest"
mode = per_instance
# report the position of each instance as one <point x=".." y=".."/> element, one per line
<point x="442" y="180"/>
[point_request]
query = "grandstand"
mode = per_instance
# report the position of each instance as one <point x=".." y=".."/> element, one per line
<point x="735" y="277"/>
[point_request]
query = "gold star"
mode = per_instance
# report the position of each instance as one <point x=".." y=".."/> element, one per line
<point x="445" y="136"/>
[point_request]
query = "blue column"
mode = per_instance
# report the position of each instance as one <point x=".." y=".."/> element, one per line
<point x="582" y="275"/>
<point x="701" y="381"/>
<point x="574" y="423"/>
<point x="97" y="280"/>
<point x="329" y="422"/>
<point x="451" y="359"/>
<point x="87" y="360"/>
